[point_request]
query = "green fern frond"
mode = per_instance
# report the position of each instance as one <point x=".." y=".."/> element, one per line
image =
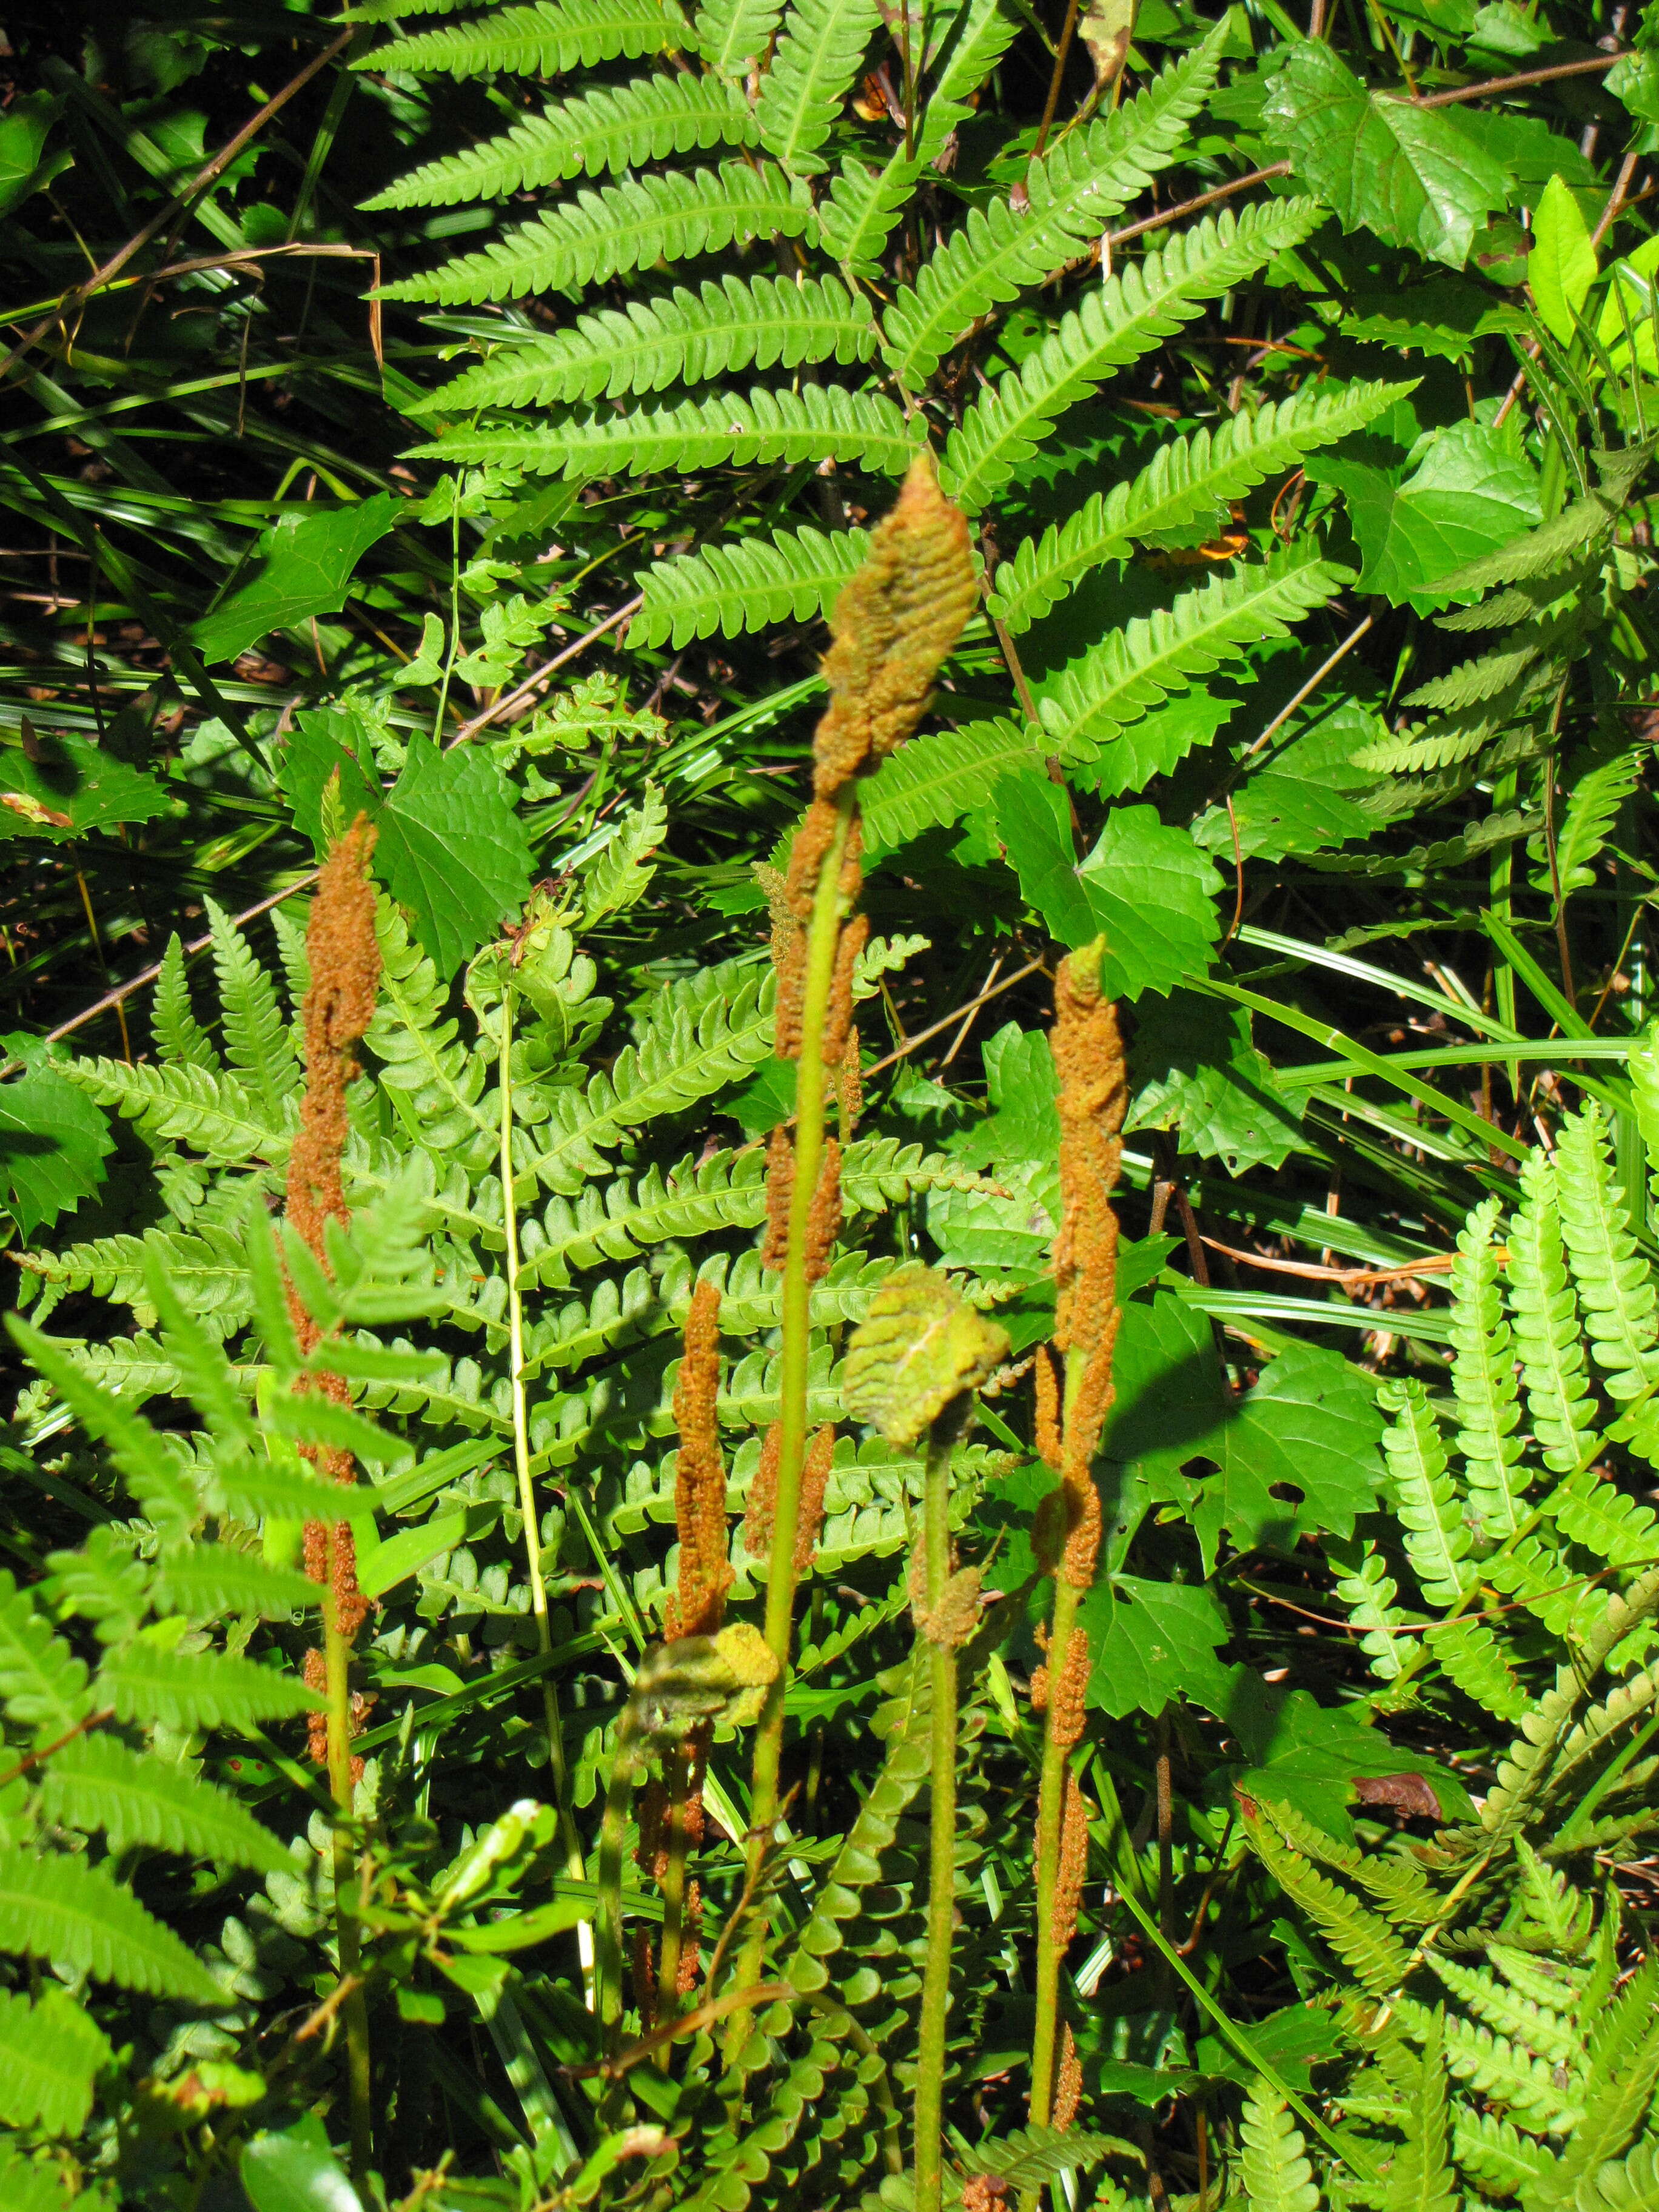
<point x="184" y="1104"/>
<point x="1132" y="312"/>
<point x="1548" y="1336"/>
<point x="1069" y="199"/>
<point x="685" y="337"/>
<point x="98" y="1783"/>
<point x="147" y="1683"/>
<point x="1134" y="669"/>
<point x="1362" y="1939"/>
<point x="1420" y="2177"/>
<point x="1522" y="2085"/>
<point x="1471" y="1657"/>
<point x="732" y="36"/>
<point x="1631" y="2184"/>
<point x="50" y="2051"/>
<point x="1183" y="482"/>
<point x="1415" y="752"/>
<point x="903" y="1722"/>
<point x="1534" y="2028"/>
<point x="939" y="777"/>
<point x="1549" y="550"/>
<point x="180" y="1036"/>
<point x="1643" y="1068"/>
<point x="1615" y="1285"/>
<point x="61" y="1909"/>
<point x="209" y="1580"/>
<point x="1437" y="1535"/>
<point x="207" y="1266"/>
<point x="1495" y="2155"/>
<point x="748" y="585"/>
<point x="1274" y="2169"/>
<point x="1605" y="1520"/>
<point x="1031" y="2156"/>
<point x="863" y="201"/>
<point x="542" y="40"/>
<point x="43" y="1684"/>
<point x="416" y="1040"/>
<point x="819" y="422"/>
<point x="665" y="217"/>
<point x="1593" y="800"/>
<point x="1564" y="1916"/>
<point x="1483" y="1380"/>
<point x="144" y="1459"/>
<point x="1369" y="1591"/>
<point x="1475" y="683"/>
<point x="260" y="1043"/>
<point x="705" y="1032"/>
<point x="814" y="65"/>
<point x="613" y="128"/>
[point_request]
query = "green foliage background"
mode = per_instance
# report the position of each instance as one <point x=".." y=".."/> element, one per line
<point x="482" y="446"/>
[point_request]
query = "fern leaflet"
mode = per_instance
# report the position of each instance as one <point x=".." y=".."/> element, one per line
<point x="631" y="224"/>
<point x="1131" y="313"/>
<point x="542" y="41"/>
<point x="615" y="127"/>
<point x="812" y="70"/>
<point x="686" y="338"/>
<point x="748" y="585"/>
<point x="818" y="424"/>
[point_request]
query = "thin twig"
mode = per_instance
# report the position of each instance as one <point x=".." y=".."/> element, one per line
<point x="1310" y="687"/>
<point x="122" y="991"/>
<point x="973" y="1006"/>
<point x="34" y="1758"/>
<point x="1514" y="83"/>
<point x="1350" y="1277"/>
<point x="1062" y="55"/>
<point x="533" y="683"/>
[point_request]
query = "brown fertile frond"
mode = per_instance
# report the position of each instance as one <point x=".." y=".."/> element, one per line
<point x="1088" y="1057"/>
<point x="698" y="1604"/>
<point x="780" y="1193"/>
<point x="896" y="620"/>
<point x="764" y="1495"/>
<point x="838" y="1029"/>
<point x="814" y="1481"/>
<point x="314" y="1668"/>
<point x="690" y="1932"/>
<point x="1068" y="2080"/>
<point x="849" y="1093"/>
<point x="651" y="1816"/>
<point x="1065" y="1722"/>
<point x="1073" y="1864"/>
<point x="345" y="956"/>
<point x="1048" y="1409"/>
<point x="824" y="1216"/>
<point x="345" y="975"/>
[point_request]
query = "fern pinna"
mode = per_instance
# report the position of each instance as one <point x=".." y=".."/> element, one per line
<point x="1484" y="1978"/>
<point x="729" y="274"/>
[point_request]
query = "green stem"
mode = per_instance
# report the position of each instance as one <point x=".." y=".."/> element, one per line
<point x="607" y="1924"/>
<point x="823" y="935"/>
<point x="942" y="1837"/>
<point x="677" y="1777"/>
<point x="355" y="2010"/>
<point x="527" y="1506"/>
<point x="1051" y="1799"/>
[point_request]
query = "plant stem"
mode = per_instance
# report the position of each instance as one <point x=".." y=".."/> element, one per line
<point x="1051" y="1800"/>
<point x="942" y="1836"/>
<point x="607" y="1926"/>
<point x="355" y="2010"/>
<point x="823" y="935"/>
<point x="677" y="1781"/>
<point x="533" y="1535"/>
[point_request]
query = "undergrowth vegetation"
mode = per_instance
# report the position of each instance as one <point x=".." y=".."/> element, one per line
<point x="829" y="1143"/>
